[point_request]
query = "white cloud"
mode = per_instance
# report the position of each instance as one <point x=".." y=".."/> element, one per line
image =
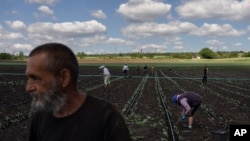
<point x="98" y="14"/>
<point x="215" y="30"/>
<point x="238" y="44"/>
<point x="143" y="10"/>
<point x="75" y="34"/>
<point x="154" y="46"/>
<point x="13" y="36"/>
<point x="8" y="39"/>
<point x="221" y="9"/>
<point x="224" y="48"/>
<point x="48" y="2"/>
<point x="93" y="40"/>
<point x="150" y="48"/>
<point x="178" y="47"/>
<point x="14" y="12"/>
<point x="6" y="35"/>
<point x="1" y="28"/>
<point x="16" y="25"/>
<point x="22" y="46"/>
<point x="46" y="10"/>
<point x="154" y="29"/>
<point x="67" y="29"/>
<point x="175" y="41"/>
<point x="214" y="42"/>
<point x="216" y="45"/>
<point x="116" y="41"/>
<point x="177" y="28"/>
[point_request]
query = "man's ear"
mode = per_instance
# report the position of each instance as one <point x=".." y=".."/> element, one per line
<point x="65" y="77"/>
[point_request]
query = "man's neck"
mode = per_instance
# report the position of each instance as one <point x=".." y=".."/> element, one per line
<point x="73" y="103"/>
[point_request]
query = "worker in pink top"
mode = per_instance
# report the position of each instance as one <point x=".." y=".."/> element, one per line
<point x="190" y="101"/>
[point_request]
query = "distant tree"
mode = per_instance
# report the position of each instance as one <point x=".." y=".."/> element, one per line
<point x="81" y="55"/>
<point x="207" y="53"/>
<point x="246" y="54"/>
<point x="136" y="55"/>
<point x="5" y="56"/>
<point x="149" y="55"/>
<point x="232" y="54"/>
<point x="21" y="55"/>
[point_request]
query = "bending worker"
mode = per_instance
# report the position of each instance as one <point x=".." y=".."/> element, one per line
<point x="190" y="101"/>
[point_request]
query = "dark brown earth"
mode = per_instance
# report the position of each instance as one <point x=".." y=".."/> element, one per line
<point x="225" y="101"/>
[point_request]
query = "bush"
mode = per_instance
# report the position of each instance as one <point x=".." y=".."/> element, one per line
<point x="5" y="56"/>
<point x="247" y="54"/>
<point x="207" y="53"/>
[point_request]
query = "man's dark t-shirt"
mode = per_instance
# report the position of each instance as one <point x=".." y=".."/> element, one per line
<point x="95" y="120"/>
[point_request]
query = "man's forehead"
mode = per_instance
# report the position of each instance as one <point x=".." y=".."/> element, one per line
<point x="37" y="60"/>
<point x="39" y="54"/>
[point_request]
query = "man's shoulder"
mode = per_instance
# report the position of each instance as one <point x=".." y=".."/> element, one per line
<point x="97" y="101"/>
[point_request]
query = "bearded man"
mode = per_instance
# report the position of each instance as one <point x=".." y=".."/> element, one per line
<point x="61" y="111"/>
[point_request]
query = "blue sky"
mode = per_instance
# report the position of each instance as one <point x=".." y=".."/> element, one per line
<point x="125" y="26"/>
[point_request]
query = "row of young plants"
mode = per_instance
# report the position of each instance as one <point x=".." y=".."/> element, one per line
<point x="13" y="112"/>
<point x="108" y="94"/>
<point x="228" y="88"/>
<point x="87" y="81"/>
<point x="171" y="131"/>
<point x="14" y="101"/>
<point x="240" y="85"/>
<point x="12" y="83"/>
<point x="129" y="106"/>
<point x="101" y="85"/>
<point x="138" y="119"/>
<point x="128" y="111"/>
<point x="215" y="116"/>
<point x="14" y="119"/>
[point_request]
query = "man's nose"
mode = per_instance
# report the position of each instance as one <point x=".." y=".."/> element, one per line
<point x="29" y="86"/>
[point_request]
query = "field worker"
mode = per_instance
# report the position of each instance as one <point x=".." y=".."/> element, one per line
<point x="145" y="69"/>
<point x="61" y="111"/>
<point x="125" y="70"/>
<point x="152" y="69"/>
<point x="205" y="71"/>
<point x="190" y="101"/>
<point x="106" y="76"/>
<point x="138" y="69"/>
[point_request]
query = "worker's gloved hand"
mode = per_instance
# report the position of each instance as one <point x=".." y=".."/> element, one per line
<point x="184" y="117"/>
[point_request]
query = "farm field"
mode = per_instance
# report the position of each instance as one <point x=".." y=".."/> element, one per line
<point x="143" y="99"/>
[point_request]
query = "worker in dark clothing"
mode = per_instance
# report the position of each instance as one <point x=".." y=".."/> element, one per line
<point x="205" y="71"/>
<point x="190" y="101"/>
<point x="145" y="69"/>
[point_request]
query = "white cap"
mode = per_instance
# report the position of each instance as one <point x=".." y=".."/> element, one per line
<point x="102" y="66"/>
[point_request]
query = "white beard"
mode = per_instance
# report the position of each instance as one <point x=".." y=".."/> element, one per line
<point x="52" y="100"/>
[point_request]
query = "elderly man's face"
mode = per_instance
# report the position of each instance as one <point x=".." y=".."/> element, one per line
<point x="43" y="86"/>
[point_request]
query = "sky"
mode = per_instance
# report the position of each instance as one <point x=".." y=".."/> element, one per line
<point x="125" y="26"/>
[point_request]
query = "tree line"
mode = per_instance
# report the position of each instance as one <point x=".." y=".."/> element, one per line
<point x="205" y="53"/>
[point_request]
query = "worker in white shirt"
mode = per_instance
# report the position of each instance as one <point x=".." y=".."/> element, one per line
<point x="106" y="75"/>
<point x="125" y="70"/>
